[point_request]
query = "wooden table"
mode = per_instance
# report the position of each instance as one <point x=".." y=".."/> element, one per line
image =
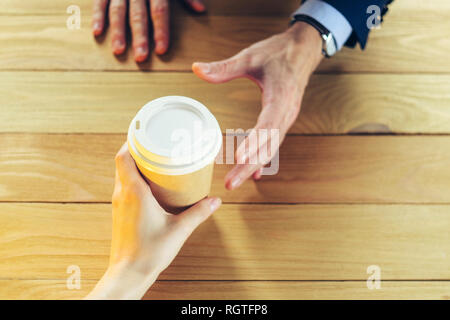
<point x="364" y="178"/>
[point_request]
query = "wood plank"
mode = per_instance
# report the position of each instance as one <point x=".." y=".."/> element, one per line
<point x="313" y="169"/>
<point x="46" y="44"/>
<point x="240" y="242"/>
<point x="293" y="290"/>
<point x="94" y="102"/>
<point x="240" y="290"/>
<point x="214" y="7"/>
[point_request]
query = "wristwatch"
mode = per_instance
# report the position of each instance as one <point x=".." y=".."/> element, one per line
<point x="329" y="47"/>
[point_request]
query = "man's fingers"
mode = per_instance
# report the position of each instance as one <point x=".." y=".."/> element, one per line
<point x="280" y="109"/>
<point x="222" y="71"/>
<point x="257" y="174"/>
<point x="239" y="174"/>
<point x="139" y="29"/>
<point x="278" y="112"/>
<point x="248" y="148"/>
<point x="160" y="17"/>
<point x="196" y="5"/>
<point x="98" y="16"/>
<point x="267" y="128"/>
<point x="117" y="14"/>
<point x="252" y="166"/>
<point x="194" y="216"/>
<point x="258" y="147"/>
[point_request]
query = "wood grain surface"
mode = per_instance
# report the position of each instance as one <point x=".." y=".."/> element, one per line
<point x="95" y="102"/>
<point x="215" y="7"/>
<point x="323" y="169"/>
<point x="45" y="43"/>
<point x="240" y="242"/>
<point x="364" y="173"/>
<point x="239" y="290"/>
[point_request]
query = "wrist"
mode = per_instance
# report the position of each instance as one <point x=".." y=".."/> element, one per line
<point x="305" y="46"/>
<point x="122" y="281"/>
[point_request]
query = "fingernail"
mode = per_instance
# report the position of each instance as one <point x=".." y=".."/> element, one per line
<point x="206" y="68"/>
<point x="215" y="204"/>
<point x="160" y="48"/>
<point x="235" y="183"/>
<point x="141" y="51"/>
<point x="141" y="54"/>
<point x="118" y="43"/>
<point x="97" y="27"/>
<point x="118" y="46"/>
<point x="198" y="6"/>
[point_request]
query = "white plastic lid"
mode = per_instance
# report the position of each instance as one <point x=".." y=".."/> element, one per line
<point x="174" y="135"/>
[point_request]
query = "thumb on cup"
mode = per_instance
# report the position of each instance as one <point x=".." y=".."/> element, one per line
<point x="197" y="214"/>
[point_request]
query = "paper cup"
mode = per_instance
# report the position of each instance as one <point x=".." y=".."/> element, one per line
<point x="174" y="141"/>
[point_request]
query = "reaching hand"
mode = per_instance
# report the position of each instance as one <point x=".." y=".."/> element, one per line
<point x="145" y="238"/>
<point x="281" y="66"/>
<point x="138" y="19"/>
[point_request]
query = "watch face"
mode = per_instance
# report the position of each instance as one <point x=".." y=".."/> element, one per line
<point x="330" y="45"/>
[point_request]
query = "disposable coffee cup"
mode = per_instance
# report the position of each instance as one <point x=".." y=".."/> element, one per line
<point x="174" y="141"/>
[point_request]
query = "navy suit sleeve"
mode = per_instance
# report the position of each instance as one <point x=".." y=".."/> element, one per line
<point x="355" y="11"/>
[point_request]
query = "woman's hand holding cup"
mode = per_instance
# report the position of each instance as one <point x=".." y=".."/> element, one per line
<point x="145" y="238"/>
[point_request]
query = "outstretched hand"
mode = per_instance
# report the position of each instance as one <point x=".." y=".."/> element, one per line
<point x="281" y="66"/>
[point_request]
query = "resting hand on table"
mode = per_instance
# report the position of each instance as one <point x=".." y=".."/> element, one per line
<point x="281" y="66"/>
<point x="138" y="19"/>
<point x="145" y="238"/>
